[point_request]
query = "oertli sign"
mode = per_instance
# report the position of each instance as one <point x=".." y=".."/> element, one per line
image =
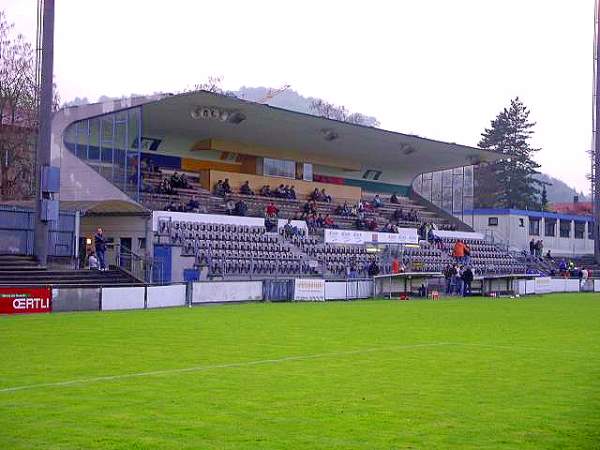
<point x="25" y="300"/>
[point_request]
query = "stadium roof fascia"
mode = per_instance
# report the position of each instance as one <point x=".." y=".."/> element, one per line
<point x="310" y="138"/>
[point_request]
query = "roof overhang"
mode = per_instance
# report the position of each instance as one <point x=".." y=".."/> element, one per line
<point x="105" y="208"/>
<point x="304" y="137"/>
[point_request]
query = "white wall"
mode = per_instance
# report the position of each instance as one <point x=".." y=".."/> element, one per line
<point x="163" y="296"/>
<point x="510" y="231"/>
<point x="122" y="298"/>
<point x="226" y="291"/>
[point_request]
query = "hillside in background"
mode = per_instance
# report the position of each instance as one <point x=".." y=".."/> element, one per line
<point x="559" y="191"/>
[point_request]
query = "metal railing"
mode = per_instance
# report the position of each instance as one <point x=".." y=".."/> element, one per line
<point x="142" y="268"/>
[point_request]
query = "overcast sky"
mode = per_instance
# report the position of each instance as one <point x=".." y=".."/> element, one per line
<point x="437" y="68"/>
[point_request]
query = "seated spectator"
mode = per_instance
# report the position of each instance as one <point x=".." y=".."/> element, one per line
<point x="219" y="189"/>
<point x="271" y="210"/>
<point x="265" y="191"/>
<point x="93" y="262"/>
<point x="373" y="268"/>
<point x="315" y="195"/>
<point x="229" y="206"/>
<point x="394" y="199"/>
<point x="271" y="224"/>
<point x="320" y="221"/>
<point x="549" y="255"/>
<point x="179" y="207"/>
<point x="343" y="210"/>
<point x="372" y="225"/>
<point x="292" y="193"/>
<point x="280" y="191"/>
<point x="325" y="197"/>
<point x="398" y="215"/>
<point x="328" y="222"/>
<point x="377" y="202"/>
<point x="226" y="186"/>
<point x="290" y="230"/>
<point x="193" y="205"/>
<point x="311" y="223"/>
<point x="166" y="187"/>
<point x="245" y="189"/>
<point x="240" y="208"/>
<point x="171" y="206"/>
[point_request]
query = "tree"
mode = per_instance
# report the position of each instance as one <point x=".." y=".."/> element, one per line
<point x="18" y="113"/>
<point x="544" y="199"/>
<point x="330" y="111"/>
<point x="510" y="182"/>
<point x="213" y="84"/>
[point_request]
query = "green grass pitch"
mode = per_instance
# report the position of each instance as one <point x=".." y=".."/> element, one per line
<point x="473" y="373"/>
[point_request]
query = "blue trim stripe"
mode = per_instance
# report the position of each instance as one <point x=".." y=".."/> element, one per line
<point x="523" y="212"/>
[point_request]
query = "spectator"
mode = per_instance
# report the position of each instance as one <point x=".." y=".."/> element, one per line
<point x="328" y="222"/>
<point x="245" y="189"/>
<point x="100" y="246"/>
<point x="240" y="208"/>
<point x="449" y="272"/>
<point x="539" y="248"/>
<point x="325" y="197"/>
<point x="467" y="254"/>
<point x="398" y="215"/>
<point x="271" y="210"/>
<point x="219" y="189"/>
<point x="372" y="224"/>
<point x="549" y="255"/>
<point x="290" y="230"/>
<point x="280" y="191"/>
<point x="292" y="193"/>
<point x="171" y="206"/>
<point x="467" y="278"/>
<point x="343" y="210"/>
<point x="394" y="199"/>
<point x="315" y="195"/>
<point x="562" y="267"/>
<point x="226" y="186"/>
<point x="320" y="221"/>
<point x="311" y="224"/>
<point x="192" y="205"/>
<point x="229" y="206"/>
<point x="396" y="265"/>
<point x="532" y="247"/>
<point x="459" y="250"/>
<point x="265" y="191"/>
<point x="93" y="262"/>
<point x="377" y="202"/>
<point x="373" y="269"/>
<point x="457" y="281"/>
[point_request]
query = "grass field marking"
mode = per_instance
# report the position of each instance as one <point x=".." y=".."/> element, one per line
<point x="519" y="347"/>
<point x="219" y="366"/>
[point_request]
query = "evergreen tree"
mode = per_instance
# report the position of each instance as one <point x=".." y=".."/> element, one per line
<point x="544" y="198"/>
<point x="510" y="182"/>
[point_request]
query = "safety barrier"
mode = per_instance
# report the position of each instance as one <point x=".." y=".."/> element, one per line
<point x="226" y="291"/>
<point x="348" y="289"/>
<point x="547" y="285"/>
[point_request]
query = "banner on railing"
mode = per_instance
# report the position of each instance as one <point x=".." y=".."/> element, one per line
<point x="543" y="285"/>
<point x="404" y="236"/>
<point x="25" y="300"/>
<point x="310" y="289"/>
<point x="158" y="216"/>
<point x="458" y="234"/>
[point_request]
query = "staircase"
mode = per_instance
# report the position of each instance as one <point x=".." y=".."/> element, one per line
<point x="25" y="271"/>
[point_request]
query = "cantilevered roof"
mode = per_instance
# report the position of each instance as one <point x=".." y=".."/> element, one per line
<point x="105" y="207"/>
<point x="353" y="147"/>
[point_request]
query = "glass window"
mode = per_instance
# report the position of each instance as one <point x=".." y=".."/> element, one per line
<point x="565" y="228"/>
<point x="579" y="230"/>
<point x="279" y="168"/>
<point x="492" y="221"/>
<point x="534" y="226"/>
<point x="550" y="227"/>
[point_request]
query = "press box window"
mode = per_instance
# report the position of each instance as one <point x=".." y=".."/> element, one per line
<point x="534" y="227"/>
<point x="579" y="230"/>
<point x="565" y="228"/>
<point x="492" y="221"/>
<point x="550" y="227"/>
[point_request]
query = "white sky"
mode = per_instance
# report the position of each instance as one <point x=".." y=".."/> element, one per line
<point x="437" y="68"/>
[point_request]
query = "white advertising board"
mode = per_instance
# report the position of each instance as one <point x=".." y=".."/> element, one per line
<point x="404" y="236"/>
<point x="122" y="298"/>
<point x="204" y="218"/>
<point x="457" y="234"/>
<point x="596" y="285"/>
<point x="163" y="296"/>
<point x="226" y="291"/>
<point x="309" y="289"/>
<point x="543" y="285"/>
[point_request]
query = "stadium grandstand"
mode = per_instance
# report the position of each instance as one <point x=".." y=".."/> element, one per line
<point x="208" y="186"/>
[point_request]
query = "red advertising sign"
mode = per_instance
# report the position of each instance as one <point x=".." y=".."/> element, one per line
<point x="25" y="300"/>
